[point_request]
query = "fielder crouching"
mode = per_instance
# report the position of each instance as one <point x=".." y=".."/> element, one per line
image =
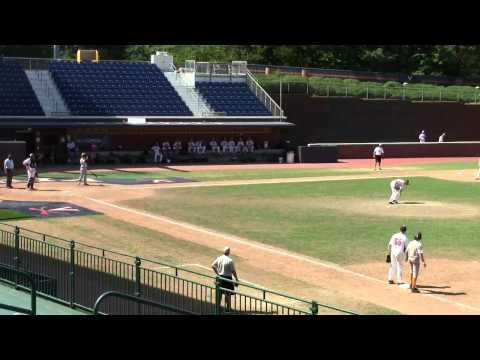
<point x="396" y="186"/>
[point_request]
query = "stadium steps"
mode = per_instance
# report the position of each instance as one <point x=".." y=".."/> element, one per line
<point x="189" y="95"/>
<point x="19" y="298"/>
<point x="47" y="93"/>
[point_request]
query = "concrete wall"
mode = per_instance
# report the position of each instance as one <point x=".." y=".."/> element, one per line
<point x="320" y="119"/>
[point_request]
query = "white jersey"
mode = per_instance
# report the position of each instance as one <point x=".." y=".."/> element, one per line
<point x="440" y="138"/>
<point x="83" y="164"/>
<point x="398" y="243"/>
<point x="422" y="137"/>
<point x="224" y="265"/>
<point x="378" y="151"/>
<point x="156" y="149"/>
<point x="397" y="184"/>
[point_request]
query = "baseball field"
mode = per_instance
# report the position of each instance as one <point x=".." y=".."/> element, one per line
<point x="317" y="231"/>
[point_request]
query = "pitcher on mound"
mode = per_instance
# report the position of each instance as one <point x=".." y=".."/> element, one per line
<point x="397" y="186"/>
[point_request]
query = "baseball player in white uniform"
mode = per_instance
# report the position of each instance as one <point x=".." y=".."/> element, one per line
<point x="414" y="254"/>
<point x="214" y="145"/>
<point x="377" y="155"/>
<point x="231" y="146"/>
<point x="157" y="154"/>
<point x="396" y="248"/>
<point x="31" y="166"/>
<point x="422" y="137"/>
<point x="83" y="169"/>
<point x="250" y="145"/>
<point x="224" y="145"/>
<point x="396" y="186"/>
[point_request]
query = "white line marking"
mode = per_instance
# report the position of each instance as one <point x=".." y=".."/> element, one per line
<point x="264" y="248"/>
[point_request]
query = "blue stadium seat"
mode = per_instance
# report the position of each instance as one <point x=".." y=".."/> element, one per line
<point x="116" y="88"/>
<point x="17" y="97"/>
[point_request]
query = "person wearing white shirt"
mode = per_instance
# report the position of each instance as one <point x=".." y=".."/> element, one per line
<point x="83" y="169"/>
<point x="396" y="186"/>
<point x="441" y="138"/>
<point x="240" y="145"/>
<point x="396" y="249"/>
<point x="250" y="145"/>
<point x="8" y="167"/>
<point x="231" y="146"/>
<point x="31" y="166"/>
<point x="214" y="145"/>
<point x="224" y="267"/>
<point x="157" y="154"/>
<point x="414" y="254"/>
<point x="422" y="137"/>
<point x="224" y="145"/>
<point x="377" y="155"/>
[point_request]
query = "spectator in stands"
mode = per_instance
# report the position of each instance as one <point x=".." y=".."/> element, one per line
<point x="224" y="267"/>
<point x="8" y="167"/>
<point x="231" y="145"/>
<point x="177" y="147"/>
<point x="157" y="154"/>
<point x="250" y="145"/>
<point x="224" y="145"/>
<point x="71" y="149"/>
<point x="422" y="137"/>
<point x="265" y="144"/>
<point x="441" y="138"/>
<point x="191" y="146"/>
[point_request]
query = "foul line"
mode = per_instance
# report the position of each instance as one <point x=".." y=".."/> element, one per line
<point x="264" y="248"/>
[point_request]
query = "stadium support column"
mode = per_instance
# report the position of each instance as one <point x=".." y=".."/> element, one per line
<point x="56" y="52"/>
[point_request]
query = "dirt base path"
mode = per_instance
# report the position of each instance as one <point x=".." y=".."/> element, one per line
<point x="364" y="282"/>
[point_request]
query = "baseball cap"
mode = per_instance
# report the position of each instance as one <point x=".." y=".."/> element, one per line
<point x="403" y="228"/>
<point x="226" y="250"/>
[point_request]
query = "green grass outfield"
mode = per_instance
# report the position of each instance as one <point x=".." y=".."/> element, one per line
<point x="276" y="214"/>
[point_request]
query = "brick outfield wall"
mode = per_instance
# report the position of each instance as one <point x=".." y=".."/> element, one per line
<point x="363" y="151"/>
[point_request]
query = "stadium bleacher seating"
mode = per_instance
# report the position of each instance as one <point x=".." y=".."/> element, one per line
<point x="17" y="97"/>
<point x="116" y="88"/>
<point x="233" y="98"/>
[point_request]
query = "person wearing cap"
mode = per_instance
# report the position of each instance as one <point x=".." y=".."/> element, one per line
<point x="396" y="186"/>
<point x="83" y="169"/>
<point x="377" y="155"/>
<point x="422" y="137"/>
<point x="8" y="167"/>
<point x="224" y="267"/>
<point x="396" y="248"/>
<point x="31" y="166"/>
<point x="414" y="254"/>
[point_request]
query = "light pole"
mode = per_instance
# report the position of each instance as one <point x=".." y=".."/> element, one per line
<point x="404" y="88"/>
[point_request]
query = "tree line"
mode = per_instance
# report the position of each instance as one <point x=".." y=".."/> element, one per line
<point x="449" y="60"/>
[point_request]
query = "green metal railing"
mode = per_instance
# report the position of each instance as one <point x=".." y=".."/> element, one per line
<point x="76" y="274"/>
<point x="168" y="310"/>
<point x="416" y="93"/>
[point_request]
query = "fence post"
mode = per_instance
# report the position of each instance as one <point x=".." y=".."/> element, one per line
<point x="16" y="258"/>
<point x="218" y="296"/>
<point x="72" y="274"/>
<point x="314" y="308"/>
<point x="138" y="262"/>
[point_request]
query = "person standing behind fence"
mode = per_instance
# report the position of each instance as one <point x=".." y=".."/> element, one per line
<point x="422" y="137"/>
<point x="224" y="267"/>
<point x="83" y="169"/>
<point x="8" y="167"/>
<point x="377" y="155"/>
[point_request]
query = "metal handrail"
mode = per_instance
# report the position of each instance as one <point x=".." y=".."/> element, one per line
<point x="265" y="93"/>
<point x="137" y="299"/>
<point x="33" y="291"/>
<point x="177" y="269"/>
